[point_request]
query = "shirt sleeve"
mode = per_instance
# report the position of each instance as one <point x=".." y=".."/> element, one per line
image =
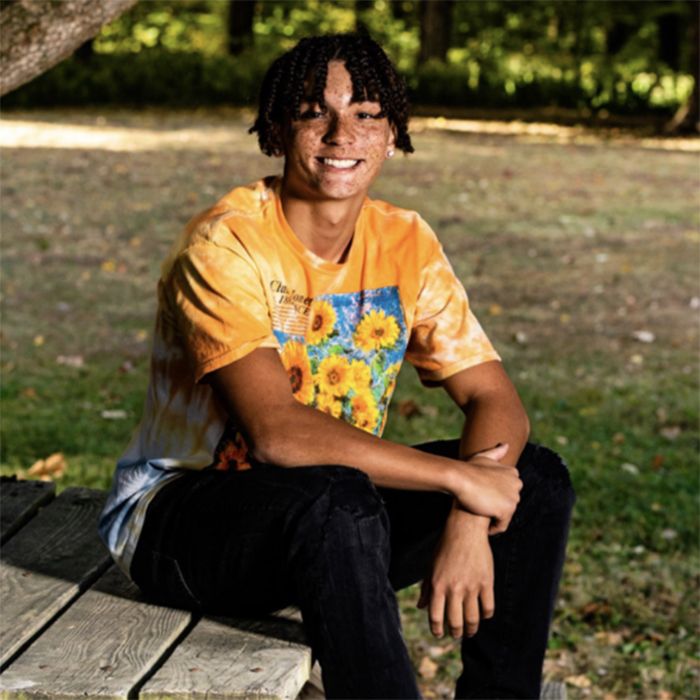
<point x="445" y="337"/>
<point x="218" y="306"/>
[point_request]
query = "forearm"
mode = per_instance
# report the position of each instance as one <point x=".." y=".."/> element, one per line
<point x="305" y="436"/>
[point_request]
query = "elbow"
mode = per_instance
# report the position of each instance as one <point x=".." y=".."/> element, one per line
<point x="268" y="449"/>
<point x="273" y="442"/>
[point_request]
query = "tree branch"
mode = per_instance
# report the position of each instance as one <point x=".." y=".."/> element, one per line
<point x="36" y="34"/>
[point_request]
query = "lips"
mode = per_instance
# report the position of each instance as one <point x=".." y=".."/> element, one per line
<point x="342" y="163"/>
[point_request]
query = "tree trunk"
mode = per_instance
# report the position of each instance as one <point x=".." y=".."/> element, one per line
<point x="435" y="29"/>
<point x="37" y="34"/>
<point x="240" y="25"/>
<point x="687" y="118"/>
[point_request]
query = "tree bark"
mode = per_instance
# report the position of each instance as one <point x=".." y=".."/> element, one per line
<point x="687" y="118"/>
<point x="240" y="25"/>
<point x="37" y="34"/>
<point x="435" y="29"/>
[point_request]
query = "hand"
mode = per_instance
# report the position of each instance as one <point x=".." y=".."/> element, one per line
<point x="489" y="488"/>
<point x="460" y="581"/>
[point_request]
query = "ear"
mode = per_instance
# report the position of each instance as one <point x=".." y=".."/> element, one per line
<point x="276" y="143"/>
<point x="391" y="143"/>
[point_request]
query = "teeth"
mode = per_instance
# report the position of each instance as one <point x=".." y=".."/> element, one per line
<point x="340" y="163"/>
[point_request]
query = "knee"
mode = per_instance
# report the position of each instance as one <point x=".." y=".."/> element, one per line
<point x="345" y="505"/>
<point x="546" y="479"/>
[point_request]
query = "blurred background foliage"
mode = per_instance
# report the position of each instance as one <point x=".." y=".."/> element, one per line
<point x="593" y="57"/>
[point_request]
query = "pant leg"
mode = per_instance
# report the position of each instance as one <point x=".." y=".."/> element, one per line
<point x="248" y="543"/>
<point x="505" y="658"/>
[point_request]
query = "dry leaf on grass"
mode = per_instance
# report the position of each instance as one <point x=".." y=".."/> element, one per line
<point x="409" y="408"/>
<point x="427" y="668"/>
<point x="54" y="466"/>
<point x="579" y="681"/>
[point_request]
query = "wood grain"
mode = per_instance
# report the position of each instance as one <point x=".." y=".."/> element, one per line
<point x="219" y="661"/>
<point x="20" y="501"/>
<point x="553" y="691"/>
<point x="101" y="647"/>
<point x="46" y="565"/>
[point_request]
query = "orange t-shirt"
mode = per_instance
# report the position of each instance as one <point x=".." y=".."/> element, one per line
<point x="238" y="279"/>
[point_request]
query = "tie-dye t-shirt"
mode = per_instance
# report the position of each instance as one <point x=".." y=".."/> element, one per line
<point x="238" y="279"/>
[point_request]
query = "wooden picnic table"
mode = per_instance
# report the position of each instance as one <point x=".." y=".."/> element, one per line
<point x="73" y="625"/>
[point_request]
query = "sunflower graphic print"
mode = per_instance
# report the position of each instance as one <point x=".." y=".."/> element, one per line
<point x="346" y="365"/>
<point x="355" y="345"/>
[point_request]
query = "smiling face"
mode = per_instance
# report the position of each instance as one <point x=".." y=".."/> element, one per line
<point x="337" y="151"/>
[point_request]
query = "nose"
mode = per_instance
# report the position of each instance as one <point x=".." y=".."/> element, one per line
<point x="340" y="132"/>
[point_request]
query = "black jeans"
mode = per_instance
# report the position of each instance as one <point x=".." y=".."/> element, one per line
<point x="325" y="539"/>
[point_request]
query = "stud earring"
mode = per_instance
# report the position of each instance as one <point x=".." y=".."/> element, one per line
<point x="276" y="151"/>
<point x="390" y="154"/>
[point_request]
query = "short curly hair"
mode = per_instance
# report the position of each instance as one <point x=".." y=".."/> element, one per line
<point x="373" y="76"/>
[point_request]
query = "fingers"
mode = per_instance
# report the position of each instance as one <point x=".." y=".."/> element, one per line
<point x="436" y="614"/>
<point x="455" y="616"/>
<point x="463" y="612"/>
<point x="471" y="615"/>
<point x="496" y="453"/>
<point x="488" y="603"/>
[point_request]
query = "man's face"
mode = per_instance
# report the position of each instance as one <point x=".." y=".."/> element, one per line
<point x="335" y="152"/>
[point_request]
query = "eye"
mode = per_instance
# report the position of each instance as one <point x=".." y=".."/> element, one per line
<point x="312" y="113"/>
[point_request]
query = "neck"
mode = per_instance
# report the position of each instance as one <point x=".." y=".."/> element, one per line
<point x="325" y="227"/>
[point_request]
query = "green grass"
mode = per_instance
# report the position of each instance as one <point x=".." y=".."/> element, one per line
<point x="566" y="250"/>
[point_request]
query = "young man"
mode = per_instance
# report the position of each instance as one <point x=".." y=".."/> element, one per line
<point x="258" y="477"/>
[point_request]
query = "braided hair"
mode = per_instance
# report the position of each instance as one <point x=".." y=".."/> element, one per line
<point x="374" y="77"/>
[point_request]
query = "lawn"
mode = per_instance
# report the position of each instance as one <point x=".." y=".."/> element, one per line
<point x="580" y="254"/>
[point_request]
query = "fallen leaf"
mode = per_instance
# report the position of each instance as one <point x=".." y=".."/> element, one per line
<point x="695" y="303"/>
<point x="38" y="340"/>
<point x="562" y="440"/>
<point x="192" y="197"/>
<point x="70" y="360"/>
<point x="53" y="466"/>
<point x="427" y="668"/>
<point x="134" y="242"/>
<point x="565" y="318"/>
<point x="658" y="462"/>
<point x="108" y="265"/>
<point x="630" y="468"/>
<point x="655" y="507"/>
<point x="29" y="393"/>
<point x="115" y="414"/>
<point x="666" y="695"/>
<point x="637" y="359"/>
<point x="672" y="432"/>
<point x="589" y="610"/>
<point x="495" y="309"/>
<point x="619" y="438"/>
<point x="520" y="337"/>
<point x="121" y="268"/>
<point x="669" y="534"/>
<point x="141" y="335"/>
<point x="408" y="408"/>
<point x="579" y="681"/>
<point x="644" y="336"/>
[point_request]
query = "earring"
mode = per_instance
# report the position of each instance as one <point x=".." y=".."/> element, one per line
<point x="276" y="151"/>
<point x="390" y="154"/>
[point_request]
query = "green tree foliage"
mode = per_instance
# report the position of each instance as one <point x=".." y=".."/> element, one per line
<point x="591" y="56"/>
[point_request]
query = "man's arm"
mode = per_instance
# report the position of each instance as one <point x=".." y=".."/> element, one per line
<point x="460" y="585"/>
<point x="279" y="430"/>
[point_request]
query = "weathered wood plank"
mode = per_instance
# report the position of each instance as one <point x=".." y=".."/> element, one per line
<point x="47" y="563"/>
<point x="101" y="647"/>
<point x="20" y="501"/>
<point x="553" y="691"/>
<point x="219" y="661"/>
